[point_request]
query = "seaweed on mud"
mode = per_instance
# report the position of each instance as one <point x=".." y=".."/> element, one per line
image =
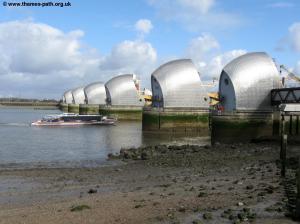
<point x="76" y="208"/>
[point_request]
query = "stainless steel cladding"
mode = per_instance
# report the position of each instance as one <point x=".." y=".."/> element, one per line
<point x="246" y="82"/>
<point x="95" y="93"/>
<point x="78" y="95"/>
<point x="178" y="84"/>
<point x="122" y="91"/>
<point x="68" y="97"/>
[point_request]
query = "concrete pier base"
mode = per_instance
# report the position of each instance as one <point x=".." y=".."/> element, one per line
<point x="243" y="126"/>
<point x="292" y="124"/>
<point x="88" y="109"/>
<point x="179" y="120"/>
<point x="73" y="108"/>
<point x="63" y="107"/>
<point x="122" y="112"/>
<point x="291" y="127"/>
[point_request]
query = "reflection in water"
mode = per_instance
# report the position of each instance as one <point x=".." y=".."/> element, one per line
<point x="124" y="134"/>
<point x="22" y="145"/>
<point x="154" y="138"/>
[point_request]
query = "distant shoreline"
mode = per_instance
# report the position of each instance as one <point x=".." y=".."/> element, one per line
<point x="35" y="105"/>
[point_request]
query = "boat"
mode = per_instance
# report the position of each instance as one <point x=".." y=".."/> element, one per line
<point x="72" y="119"/>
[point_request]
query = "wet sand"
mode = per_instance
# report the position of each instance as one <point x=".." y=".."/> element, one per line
<point x="187" y="184"/>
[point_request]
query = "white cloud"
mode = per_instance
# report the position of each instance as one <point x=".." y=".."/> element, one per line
<point x="39" y="60"/>
<point x="38" y="48"/>
<point x="144" y="26"/>
<point x="131" y="57"/>
<point x="195" y="15"/>
<point x="294" y="36"/>
<point x="215" y="65"/>
<point x="205" y="51"/>
<point x="291" y="40"/>
<point x="200" y="6"/>
<point x="281" y="5"/>
<point x="297" y="68"/>
<point x="129" y="53"/>
<point x="201" y="47"/>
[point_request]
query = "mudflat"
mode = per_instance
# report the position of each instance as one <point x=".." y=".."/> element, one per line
<point x="159" y="184"/>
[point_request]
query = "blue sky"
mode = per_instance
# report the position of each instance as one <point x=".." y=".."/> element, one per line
<point x="45" y="51"/>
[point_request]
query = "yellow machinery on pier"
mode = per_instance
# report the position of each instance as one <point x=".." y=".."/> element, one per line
<point x="146" y="95"/>
<point x="214" y="98"/>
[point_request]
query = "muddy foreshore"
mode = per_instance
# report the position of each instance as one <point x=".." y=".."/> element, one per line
<point x="156" y="184"/>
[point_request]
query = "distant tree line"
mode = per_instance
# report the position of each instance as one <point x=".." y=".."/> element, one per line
<point x="16" y="99"/>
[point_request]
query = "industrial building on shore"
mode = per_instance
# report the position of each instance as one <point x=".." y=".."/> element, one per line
<point x="246" y="83"/>
<point x="95" y="96"/>
<point x="95" y="93"/>
<point x="179" y="100"/>
<point x="120" y="97"/>
<point x="78" y="98"/>
<point x="123" y="98"/>
<point x="244" y="92"/>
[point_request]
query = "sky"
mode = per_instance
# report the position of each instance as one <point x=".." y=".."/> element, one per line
<point x="45" y="51"/>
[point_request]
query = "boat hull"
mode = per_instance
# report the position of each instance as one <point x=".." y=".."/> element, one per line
<point x="58" y="124"/>
<point x="71" y="119"/>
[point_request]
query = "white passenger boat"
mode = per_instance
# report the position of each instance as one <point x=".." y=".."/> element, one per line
<point x="72" y="119"/>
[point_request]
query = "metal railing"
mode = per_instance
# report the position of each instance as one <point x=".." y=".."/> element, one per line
<point x="285" y="95"/>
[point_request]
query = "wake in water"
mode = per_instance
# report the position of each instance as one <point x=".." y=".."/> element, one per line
<point x="15" y="124"/>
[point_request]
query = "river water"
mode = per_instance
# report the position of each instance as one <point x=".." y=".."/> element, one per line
<point x="24" y="146"/>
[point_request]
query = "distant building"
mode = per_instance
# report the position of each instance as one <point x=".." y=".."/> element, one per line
<point x="78" y="95"/>
<point x="245" y="83"/>
<point x="123" y="90"/>
<point x="68" y="97"/>
<point x="95" y="93"/>
<point x="177" y="84"/>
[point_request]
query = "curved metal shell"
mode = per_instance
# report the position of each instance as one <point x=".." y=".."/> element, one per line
<point x="78" y="95"/>
<point x="246" y="82"/>
<point x="178" y="84"/>
<point x="121" y="91"/>
<point x="95" y="93"/>
<point x="68" y="97"/>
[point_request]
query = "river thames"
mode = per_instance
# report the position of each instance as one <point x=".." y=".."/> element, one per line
<point x="24" y="146"/>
